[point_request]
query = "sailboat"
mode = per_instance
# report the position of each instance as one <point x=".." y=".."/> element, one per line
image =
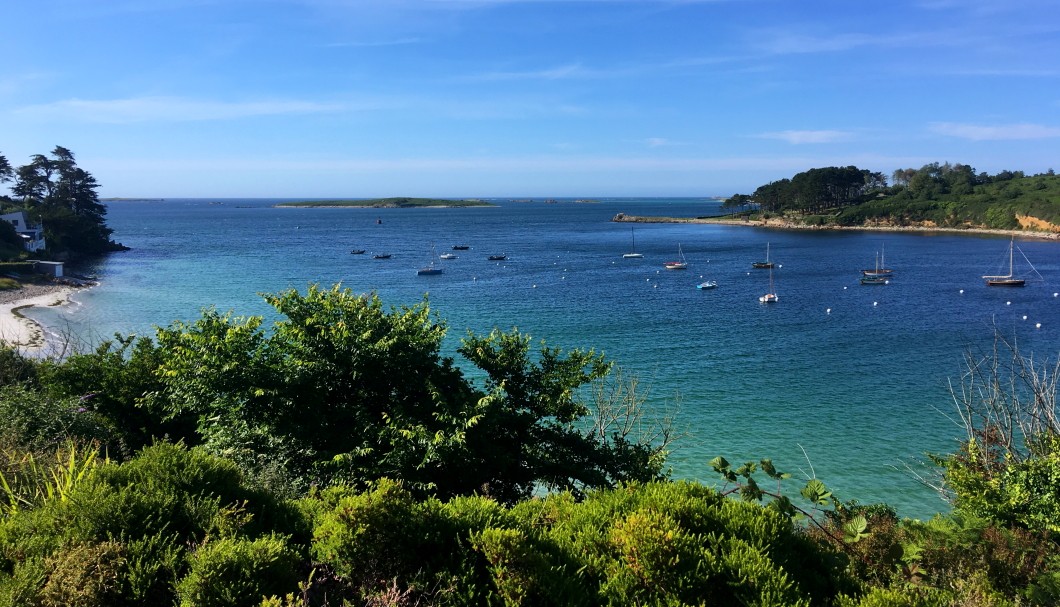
<point x="1007" y="280"/>
<point x="430" y="269"/>
<point x="879" y="271"/>
<point x="633" y="252"/>
<point x="681" y="264"/>
<point x="874" y="277"/>
<point x="763" y="264"/>
<point x="771" y="296"/>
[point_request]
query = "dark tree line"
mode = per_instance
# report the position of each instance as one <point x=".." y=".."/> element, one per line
<point x="62" y="196"/>
<point x="818" y="190"/>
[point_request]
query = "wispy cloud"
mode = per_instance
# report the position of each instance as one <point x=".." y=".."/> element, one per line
<point x="561" y="72"/>
<point x="169" y="109"/>
<point x="782" y="42"/>
<point x="804" y="137"/>
<point x="997" y="132"/>
<point x="375" y="43"/>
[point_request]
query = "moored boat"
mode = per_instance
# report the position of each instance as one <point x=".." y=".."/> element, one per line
<point x="633" y="254"/>
<point x="763" y="265"/>
<point x="680" y="264"/>
<point x="1007" y="280"/>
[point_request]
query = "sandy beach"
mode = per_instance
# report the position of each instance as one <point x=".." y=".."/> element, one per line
<point x="20" y="332"/>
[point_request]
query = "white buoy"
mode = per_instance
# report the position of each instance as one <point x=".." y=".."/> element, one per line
<point x="656" y="286"/>
<point x="1055" y="294"/>
<point x="962" y="291"/>
<point x="874" y="304"/>
<point x="535" y="286"/>
<point x="1024" y="317"/>
<point x="1008" y="303"/>
<point x="828" y="311"/>
<point x="1038" y="326"/>
<point x="844" y="288"/>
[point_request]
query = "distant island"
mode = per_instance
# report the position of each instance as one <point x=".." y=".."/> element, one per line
<point x="936" y="197"/>
<point x="390" y="203"/>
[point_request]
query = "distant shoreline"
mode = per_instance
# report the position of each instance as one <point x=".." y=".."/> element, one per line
<point x="385" y="203"/>
<point x="782" y="224"/>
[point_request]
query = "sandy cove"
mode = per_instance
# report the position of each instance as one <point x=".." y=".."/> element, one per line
<point x="20" y="332"/>
<point x="782" y="224"/>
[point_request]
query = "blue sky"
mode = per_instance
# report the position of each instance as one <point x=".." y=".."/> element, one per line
<point x="322" y="98"/>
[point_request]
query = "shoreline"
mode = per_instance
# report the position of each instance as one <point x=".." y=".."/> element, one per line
<point x="782" y="224"/>
<point x="21" y="332"/>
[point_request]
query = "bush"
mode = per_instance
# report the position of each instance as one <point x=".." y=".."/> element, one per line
<point x="232" y="572"/>
<point x="155" y="506"/>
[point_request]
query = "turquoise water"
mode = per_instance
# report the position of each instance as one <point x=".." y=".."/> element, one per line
<point x="841" y="380"/>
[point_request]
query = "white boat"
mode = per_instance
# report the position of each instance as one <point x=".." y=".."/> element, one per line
<point x="1010" y="279"/>
<point x="708" y="284"/>
<point x="680" y="264"/>
<point x="447" y="256"/>
<point x="633" y="252"/>
<point x="771" y="296"/>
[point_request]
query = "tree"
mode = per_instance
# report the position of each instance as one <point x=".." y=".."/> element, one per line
<point x="55" y="191"/>
<point x="6" y="171"/>
<point x="341" y="390"/>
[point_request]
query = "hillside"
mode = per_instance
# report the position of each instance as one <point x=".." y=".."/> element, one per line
<point x="1020" y="203"/>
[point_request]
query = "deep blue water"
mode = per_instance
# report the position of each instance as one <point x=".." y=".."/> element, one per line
<point x="856" y="377"/>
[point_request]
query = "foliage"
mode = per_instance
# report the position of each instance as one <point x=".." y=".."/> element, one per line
<point x="11" y="245"/>
<point x="56" y="192"/>
<point x="133" y="524"/>
<point x="816" y="190"/>
<point x="943" y="195"/>
<point x="231" y="572"/>
<point x="1007" y="468"/>
<point x="35" y="421"/>
<point x="114" y="383"/>
<point x="658" y="543"/>
<point x="954" y="196"/>
<point x="328" y="397"/>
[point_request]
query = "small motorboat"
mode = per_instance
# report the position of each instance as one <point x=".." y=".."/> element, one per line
<point x="357" y="252"/>
<point x="460" y="247"/>
<point x="709" y="284"/>
<point x="447" y="256"/>
<point x="497" y="257"/>
<point x="381" y="256"/>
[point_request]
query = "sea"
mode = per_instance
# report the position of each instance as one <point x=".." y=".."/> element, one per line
<point x="848" y="383"/>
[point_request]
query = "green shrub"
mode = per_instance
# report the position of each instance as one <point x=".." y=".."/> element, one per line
<point x="156" y="505"/>
<point x="33" y="421"/>
<point x="233" y="572"/>
<point x="87" y="575"/>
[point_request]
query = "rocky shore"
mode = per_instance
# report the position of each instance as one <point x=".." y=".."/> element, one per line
<point x="783" y="224"/>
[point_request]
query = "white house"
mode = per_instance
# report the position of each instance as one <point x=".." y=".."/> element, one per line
<point x="32" y="235"/>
